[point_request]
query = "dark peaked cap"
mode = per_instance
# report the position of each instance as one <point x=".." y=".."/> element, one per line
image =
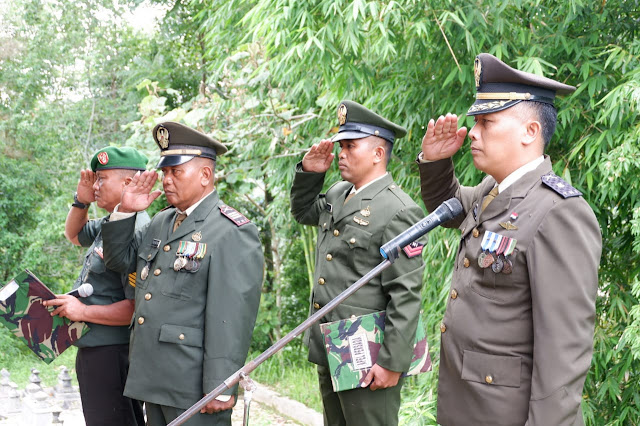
<point x="357" y="122"/>
<point x="499" y="86"/>
<point x="179" y="143"/>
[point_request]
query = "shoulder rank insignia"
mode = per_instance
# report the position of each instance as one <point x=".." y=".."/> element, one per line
<point x="560" y="186"/>
<point x="234" y="215"/>
<point x="414" y="249"/>
<point x="132" y="279"/>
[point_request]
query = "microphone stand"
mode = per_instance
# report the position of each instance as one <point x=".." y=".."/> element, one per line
<point x="443" y="213"/>
<point x="252" y="365"/>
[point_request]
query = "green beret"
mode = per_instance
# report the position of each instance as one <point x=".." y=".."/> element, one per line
<point x="358" y="122"/>
<point x="112" y="157"/>
<point x="499" y="86"/>
<point x="179" y="143"/>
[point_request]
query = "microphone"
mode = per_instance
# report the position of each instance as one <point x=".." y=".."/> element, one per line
<point x="85" y="290"/>
<point x="445" y="212"/>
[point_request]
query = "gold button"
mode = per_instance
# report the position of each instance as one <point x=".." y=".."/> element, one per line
<point x="181" y="336"/>
<point x="149" y="257"/>
<point x="329" y="257"/>
<point x="454" y="294"/>
<point x="316" y="305"/>
<point x="140" y="320"/>
<point x="488" y="379"/>
<point x="321" y="281"/>
<point x="166" y="248"/>
<point x="392" y="187"/>
<point x="377" y="132"/>
<point x="443" y="328"/>
<point x="324" y="225"/>
<point x="475" y="233"/>
<point x="147" y="296"/>
<point x="352" y="241"/>
<point x="157" y="272"/>
<point x="466" y="262"/>
<point x="336" y="232"/>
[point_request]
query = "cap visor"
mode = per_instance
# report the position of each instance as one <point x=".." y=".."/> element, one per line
<point x="173" y="160"/>
<point x="488" y="106"/>
<point x="349" y="135"/>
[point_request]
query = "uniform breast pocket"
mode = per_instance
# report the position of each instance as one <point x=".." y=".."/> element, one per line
<point x="324" y="224"/>
<point x="502" y="280"/>
<point x="354" y="245"/>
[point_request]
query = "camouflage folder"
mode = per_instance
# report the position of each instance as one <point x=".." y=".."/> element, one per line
<point x="353" y="344"/>
<point x="22" y="312"/>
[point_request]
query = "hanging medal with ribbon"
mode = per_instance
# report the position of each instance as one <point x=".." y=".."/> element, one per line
<point x="508" y="265"/>
<point x="498" y="264"/>
<point x="484" y="245"/>
<point x="495" y="243"/>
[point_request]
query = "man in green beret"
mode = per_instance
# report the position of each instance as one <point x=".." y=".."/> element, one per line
<point x="199" y="270"/>
<point x="517" y="334"/>
<point x="355" y="217"/>
<point x="102" y="360"/>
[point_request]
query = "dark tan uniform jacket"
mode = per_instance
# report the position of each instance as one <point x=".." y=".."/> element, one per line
<point x="347" y="250"/>
<point x="190" y="330"/>
<point x="516" y="348"/>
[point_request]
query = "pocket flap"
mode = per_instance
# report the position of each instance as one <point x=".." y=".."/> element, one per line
<point x="355" y="237"/>
<point x="181" y="335"/>
<point x="491" y="369"/>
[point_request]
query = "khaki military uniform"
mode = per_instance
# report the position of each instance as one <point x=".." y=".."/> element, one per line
<point x="191" y="331"/>
<point x="349" y="240"/>
<point x="516" y="348"/>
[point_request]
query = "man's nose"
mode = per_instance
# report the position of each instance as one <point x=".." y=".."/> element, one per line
<point x="473" y="133"/>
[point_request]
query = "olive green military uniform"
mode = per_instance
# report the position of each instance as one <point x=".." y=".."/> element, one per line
<point x="516" y="347"/>
<point x="191" y="328"/>
<point x="102" y="359"/>
<point x="348" y="246"/>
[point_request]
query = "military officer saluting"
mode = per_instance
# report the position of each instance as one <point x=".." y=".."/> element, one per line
<point x="354" y="218"/>
<point x="199" y="266"/>
<point x="517" y="335"/>
<point x="102" y="361"/>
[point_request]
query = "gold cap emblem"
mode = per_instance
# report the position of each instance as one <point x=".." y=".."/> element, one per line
<point x="477" y="71"/>
<point x="162" y="134"/>
<point x="342" y="114"/>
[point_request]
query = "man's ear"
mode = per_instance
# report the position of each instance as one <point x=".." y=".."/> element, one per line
<point x="379" y="153"/>
<point x="206" y="175"/>
<point x="533" y="132"/>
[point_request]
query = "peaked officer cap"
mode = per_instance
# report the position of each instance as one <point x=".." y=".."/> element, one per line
<point x="358" y="122"/>
<point x="498" y="86"/>
<point x="179" y="143"/>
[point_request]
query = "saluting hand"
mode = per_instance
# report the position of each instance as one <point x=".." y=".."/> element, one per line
<point x="443" y="138"/>
<point x="381" y="378"/>
<point x="85" y="191"/>
<point x="137" y="195"/>
<point x="318" y="159"/>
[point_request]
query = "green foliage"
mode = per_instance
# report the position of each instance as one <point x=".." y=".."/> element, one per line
<point x="265" y="77"/>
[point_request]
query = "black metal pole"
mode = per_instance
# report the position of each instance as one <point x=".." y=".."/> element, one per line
<point x="252" y="365"/>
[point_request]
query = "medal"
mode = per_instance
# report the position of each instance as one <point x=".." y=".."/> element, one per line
<point x="484" y="245"/>
<point x="497" y="265"/>
<point x="145" y="272"/>
<point x="197" y="236"/>
<point x="365" y="212"/>
<point x="193" y="266"/>
<point x="360" y="221"/>
<point x="177" y="264"/>
<point x="507" y="267"/>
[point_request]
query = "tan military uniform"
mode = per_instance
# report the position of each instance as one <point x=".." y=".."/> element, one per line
<point x="516" y="347"/>
<point x="349" y="240"/>
<point x="190" y="331"/>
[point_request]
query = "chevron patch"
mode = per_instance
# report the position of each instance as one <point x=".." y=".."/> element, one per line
<point x="132" y="279"/>
<point x="414" y="249"/>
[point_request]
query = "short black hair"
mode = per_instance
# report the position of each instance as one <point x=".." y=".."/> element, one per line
<point x="547" y="115"/>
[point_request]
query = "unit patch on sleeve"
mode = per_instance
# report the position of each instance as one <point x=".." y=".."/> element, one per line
<point x="560" y="186"/>
<point x="414" y="249"/>
<point x="234" y="215"/>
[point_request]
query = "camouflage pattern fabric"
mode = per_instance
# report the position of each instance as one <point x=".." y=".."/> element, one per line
<point x="22" y="312"/>
<point x="352" y="348"/>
